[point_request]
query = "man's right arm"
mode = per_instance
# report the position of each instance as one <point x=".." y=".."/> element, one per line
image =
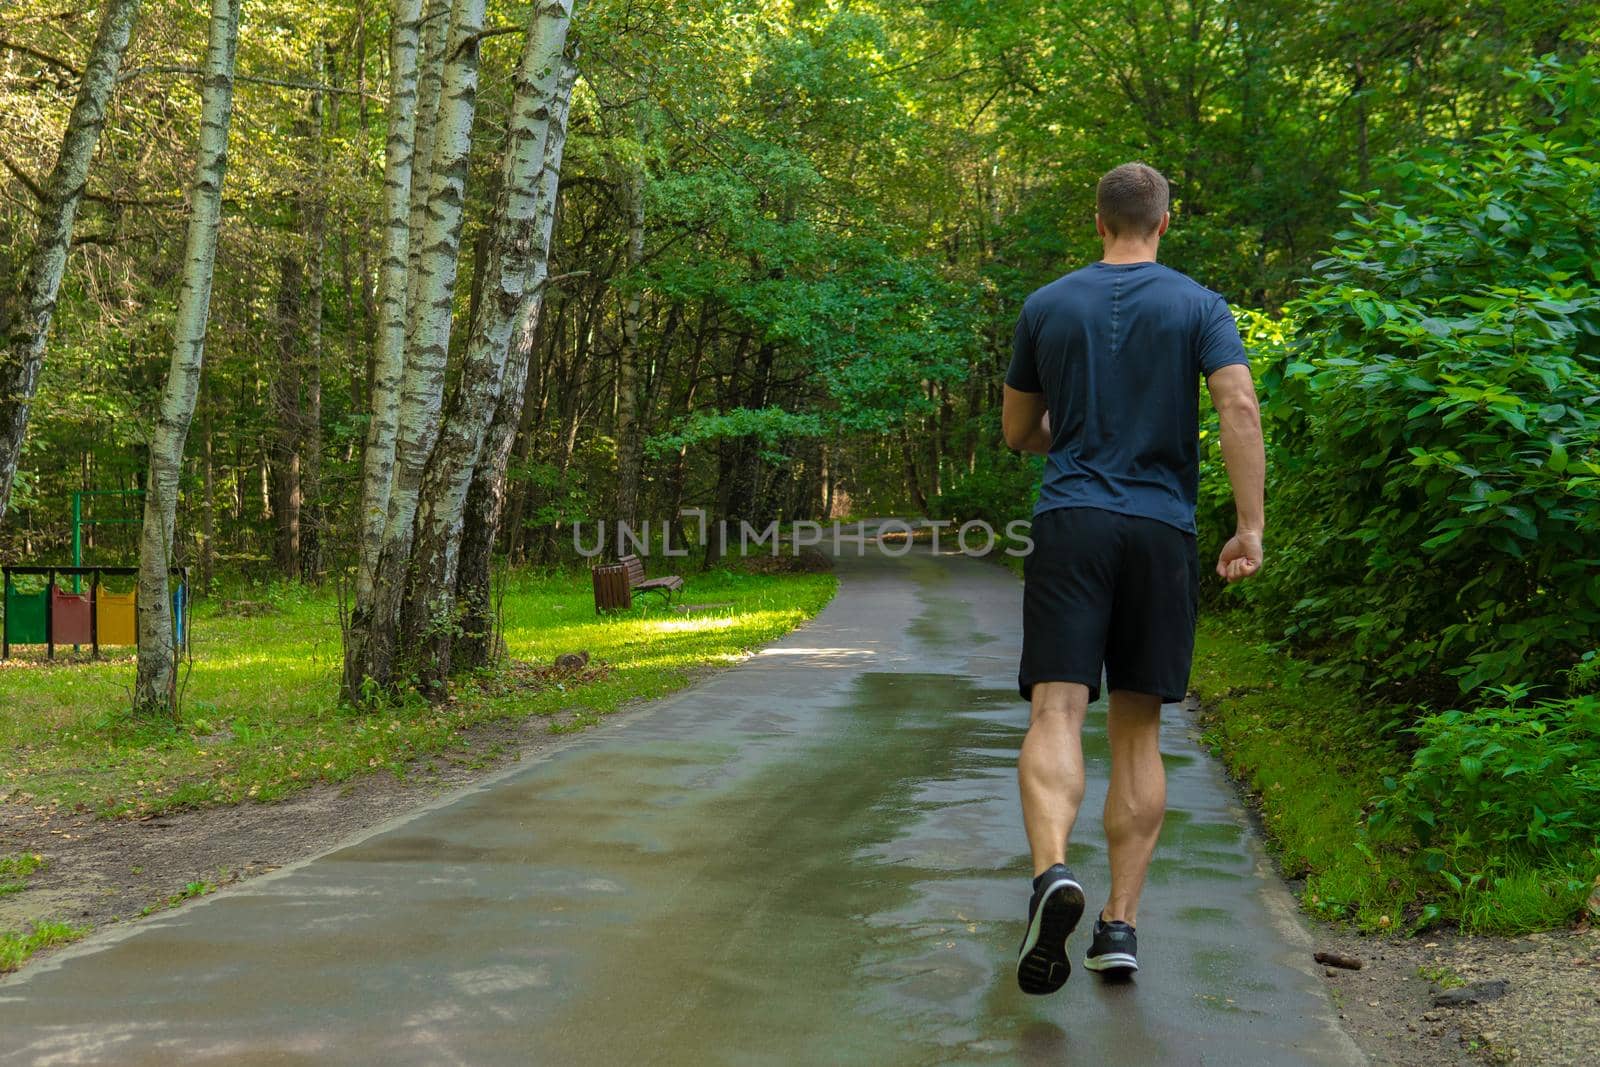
<point x="1233" y="394"/>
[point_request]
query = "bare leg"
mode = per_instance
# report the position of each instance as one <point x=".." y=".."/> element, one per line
<point x="1136" y="801"/>
<point x="1050" y="770"/>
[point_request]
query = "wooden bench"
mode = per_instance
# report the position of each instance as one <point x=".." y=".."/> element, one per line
<point x="637" y="582"/>
<point x="615" y="583"/>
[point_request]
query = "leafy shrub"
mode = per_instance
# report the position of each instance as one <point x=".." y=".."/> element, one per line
<point x="1432" y="411"/>
<point x="1584" y="677"/>
<point x="1435" y="421"/>
<point x="1501" y="786"/>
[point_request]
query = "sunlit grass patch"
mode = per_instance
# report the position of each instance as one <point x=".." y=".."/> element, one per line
<point x="260" y="709"/>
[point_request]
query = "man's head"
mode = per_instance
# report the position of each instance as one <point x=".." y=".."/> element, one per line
<point x="1131" y="203"/>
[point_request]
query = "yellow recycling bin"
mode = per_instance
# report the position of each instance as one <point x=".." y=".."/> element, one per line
<point x="115" y="620"/>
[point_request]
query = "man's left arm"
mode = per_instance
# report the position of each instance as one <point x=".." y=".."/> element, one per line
<point x="1025" y="421"/>
<point x="1024" y="417"/>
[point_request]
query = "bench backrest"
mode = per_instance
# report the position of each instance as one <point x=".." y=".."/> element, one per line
<point x="635" y="568"/>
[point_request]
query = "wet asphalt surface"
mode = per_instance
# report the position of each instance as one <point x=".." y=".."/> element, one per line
<point x="815" y="857"/>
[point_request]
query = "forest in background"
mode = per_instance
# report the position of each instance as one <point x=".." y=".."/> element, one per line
<point x="843" y="205"/>
<point x="785" y="256"/>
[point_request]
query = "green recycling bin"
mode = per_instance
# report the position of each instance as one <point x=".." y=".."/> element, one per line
<point x="25" y="616"/>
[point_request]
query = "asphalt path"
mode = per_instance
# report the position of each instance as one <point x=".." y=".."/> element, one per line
<point x="815" y="856"/>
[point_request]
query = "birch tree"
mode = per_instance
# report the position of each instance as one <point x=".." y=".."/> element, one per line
<point x="515" y="242"/>
<point x="24" y="330"/>
<point x="486" y="497"/>
<point x="370" y="644"/>
<point x="435" y="36"/>
<point x="389" y="359"/>
<point x="155" y="691"/>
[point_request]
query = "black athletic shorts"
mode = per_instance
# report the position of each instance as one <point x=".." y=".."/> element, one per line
<point x="1102" y="588"/>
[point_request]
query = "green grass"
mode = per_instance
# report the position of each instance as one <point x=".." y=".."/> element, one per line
<point x="15" y="947"/>
<point x="20" y="864"/>
<point x="15" y="869"/>
<point x="1443" y="977"/>
<point x="261" y="716"/>
<point x="1316" y="756"/>
<point x="1271" y="725"/>
<point x="192" y="891"/>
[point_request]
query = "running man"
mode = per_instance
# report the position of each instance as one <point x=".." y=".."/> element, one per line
<point x="1103" y="383"/>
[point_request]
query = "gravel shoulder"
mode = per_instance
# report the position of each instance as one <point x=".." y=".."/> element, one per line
<point x="1548" y="1013"/>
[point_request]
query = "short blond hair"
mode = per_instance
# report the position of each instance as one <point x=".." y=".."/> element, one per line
<point x="1131" y="199"/>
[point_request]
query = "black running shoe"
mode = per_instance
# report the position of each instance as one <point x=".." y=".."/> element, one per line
<point x="1054" y="911"/>
<point x="1115" y="951"/>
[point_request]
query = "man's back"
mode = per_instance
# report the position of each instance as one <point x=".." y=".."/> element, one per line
<point x="1117" y="349"/>
<point x="1103" y="383"/>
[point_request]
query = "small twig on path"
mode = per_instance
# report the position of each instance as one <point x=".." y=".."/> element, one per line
<point x="1338" y="959"/>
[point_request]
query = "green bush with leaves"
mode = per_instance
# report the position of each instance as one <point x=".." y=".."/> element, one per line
<point x="1435" y="421"/>
<point x="1432" y="410"/>
<point x="1514" y="780"/>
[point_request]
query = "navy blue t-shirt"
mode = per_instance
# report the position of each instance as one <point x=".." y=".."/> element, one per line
<point x="1118" y="349"/>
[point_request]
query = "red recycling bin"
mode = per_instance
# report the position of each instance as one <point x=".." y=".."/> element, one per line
<point x="70" y="618"/>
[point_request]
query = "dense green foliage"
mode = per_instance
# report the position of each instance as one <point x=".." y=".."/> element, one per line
<point x="1501" y="783"/>
<point x="1436" y="419"/>
<point x="1433" y="404"/>
<point x="844" y="205"/>
<point x="1449" y="843"/>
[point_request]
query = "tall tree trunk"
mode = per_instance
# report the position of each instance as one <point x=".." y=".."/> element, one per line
<point x="572" y="411"/>
<point x="828" y="476"/>
<point x="374" y="625"/>
<point x="155" y="691"/>
<point x="729" y="451"/>
<point x="630" y="443"/>
<point x="517" y="255"/>
<point x="288" y="420"/>
<point x="377" y="463"/>
<point x="913" y="485"/>
<point x="25" y="326"/>
<point x="678" y="479"/>
<point x="437" y="19"/>
<point x="316" y="211"/>
<point x="208" y="519"/>
<point x="748" y="464"/>
<point x="487" y="495"/>
<point x="531" y="428"/>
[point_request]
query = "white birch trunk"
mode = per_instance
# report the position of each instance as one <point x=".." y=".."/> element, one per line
<point x="374" y="629"/>
<point x="24" y="337"/>
<point x="389" y="360"/>
<point x="516" y="243"/>
<point x="487" y="495"/>
<point x="434" y="35"/>
<point x="155" y="692"/>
